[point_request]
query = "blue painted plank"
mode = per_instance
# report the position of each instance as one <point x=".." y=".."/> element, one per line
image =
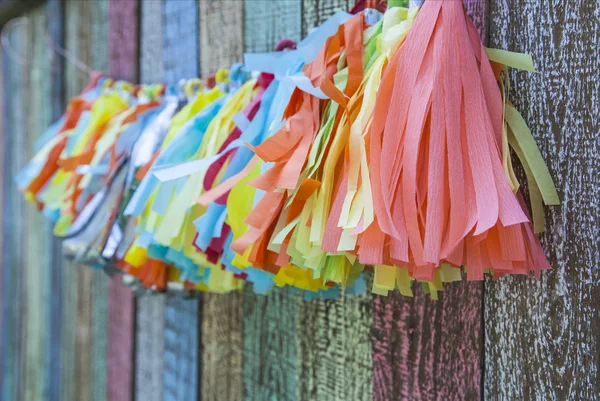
<point x="180" y="61"/>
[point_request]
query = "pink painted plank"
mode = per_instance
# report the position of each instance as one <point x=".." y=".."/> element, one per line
<point x="123" y="64"/>
<point x="425" y="349"/>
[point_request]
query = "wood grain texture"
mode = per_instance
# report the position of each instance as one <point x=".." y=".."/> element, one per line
<point x="151" y="42"/>
<point x="221" y="26"/>
<point x="334" y="348"/>
<point x="221" y="44"/>
<point x="180" y="40"/>
<point x="3" y="201"/>
<point x="266" y="22"/>
<point x="38" y="245"/>
<point x="269" y="366"/>
<point x="123" y="64"/>
<point x="83" y="336"/>
<point x="99" y="334"/>
<point x="221" y="347"/>
<point x="149" y="354"/>
<point x="120" y="341"/>
<point x="181" y="331"/>
<point x="181" y="355"/>
<point x="315" y="12"/>
<point x="69" y="327"/>
<point x="270" y="345"/>
<point x="56" y="19"/>
<point x="425" y="349"/>
<point x="150" y="319"/>
<point x="123" y="48"/>
<point x="83" y="332"/>
<point x="13" y="258"/>
<point x="333" y="340"/>
<point x="98" y="59"/>
<point x="542" y="337"/>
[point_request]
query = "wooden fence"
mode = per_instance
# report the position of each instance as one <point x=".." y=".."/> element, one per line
<point x="69" y="332"/>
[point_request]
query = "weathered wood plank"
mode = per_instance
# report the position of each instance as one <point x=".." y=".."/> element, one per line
<point x="425" y="349"/>
<point x="267" y="22"/>
<point x="99" y="334"/>
<point x="269" y="345"/>
<point x="269" y="340"/>
<point x="542" y="337"/>
<point x="151" y="42"/>
<point x="13" y="316"/>
<point x="98" y="59"/>
<point x="221" y="44"/>
<point x="150" y="326"/>
<point x="150" y="319"/>
<point x="123" y="34"/>
<point x="3" y="201"/>
<point x="180" y="40"/>
<point x="180" y="61"/>
<point x="56" y="19"/>
<point x="181" y="349"/>
<point x="221" y="35"/>
<point x="334" y="348"/>
<point x="38" y="243"/>
<point x="315" y="12"/>
<point x="83" y="333"/>
<point x="334" y="360"/>
<point x="123" y="64"/>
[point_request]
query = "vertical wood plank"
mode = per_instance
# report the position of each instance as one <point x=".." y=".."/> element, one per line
<point x="98" y="59"/>
<point x="123" y="64"/>
<point x="74" y="81"/>
<point x="123" y="48"/>
<point x="221" y="44"/>
<point x="180" y="61"/>
<point x="334" y="360"/>
<point x="334" y="348"/>
<point x="151" y="42"/>
<point x="267" y="22"/>
<point x="150" y="325"/>
<point x="38" y="243"/>
<point x="56" y="30"/>
<point x="3" y="202"/>
<point x="83" y="333"/>
<point x="180" y="376"/>
<point x="269" y="366"/>
<point x="315" y="12"/>
<point x="150" y="320"/>
<point x="221" y="34"/>
<point x="270" y="345"/>
<point x="541" y="336"/>
<point x="13" y="316"/>
<point x="425" y="349"/>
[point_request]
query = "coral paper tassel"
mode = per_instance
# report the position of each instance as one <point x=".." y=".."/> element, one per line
<point x="435" y="159"/>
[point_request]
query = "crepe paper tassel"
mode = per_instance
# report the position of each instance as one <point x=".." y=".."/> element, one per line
<point x="439" y="190"/>
<point x="290" y="147"/>
<point x="32" y="179"/>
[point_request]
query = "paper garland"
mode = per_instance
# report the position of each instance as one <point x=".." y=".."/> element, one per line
<point x="379" y="143"/>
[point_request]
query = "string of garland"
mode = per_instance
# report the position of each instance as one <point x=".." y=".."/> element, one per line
<point x="380" y="141"/>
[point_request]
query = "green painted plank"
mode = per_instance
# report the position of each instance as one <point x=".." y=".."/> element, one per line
<point x="334" y="360"/>
<point x="270" y="321"/>
<point x="266" y="22"/>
